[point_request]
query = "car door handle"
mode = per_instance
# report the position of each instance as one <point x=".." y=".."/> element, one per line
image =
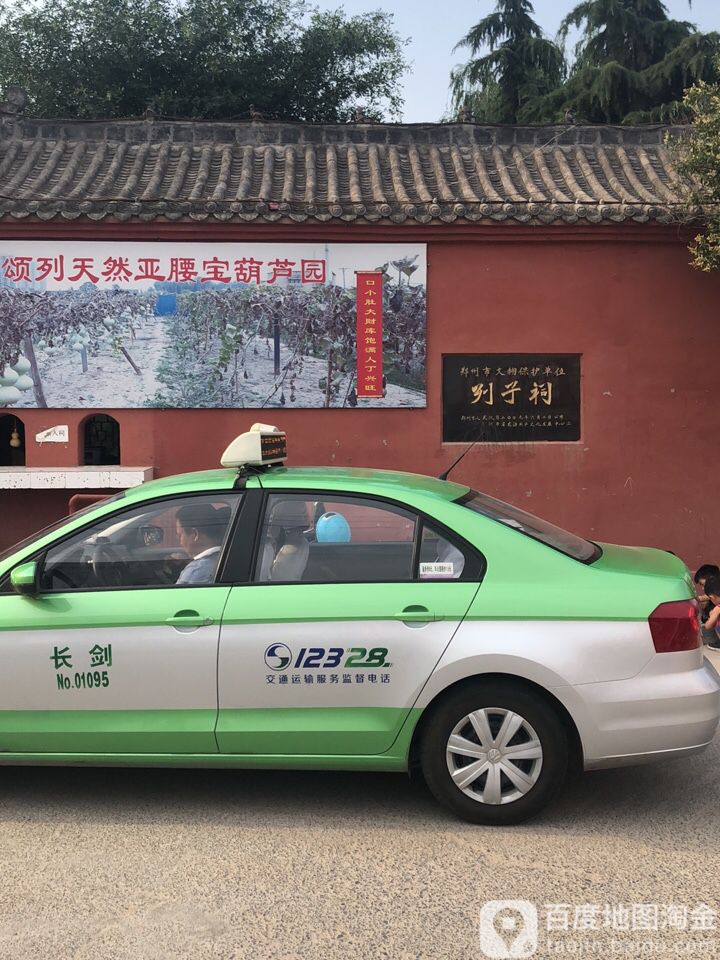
<point x="416" y="614"/>
<point x="189" y="618"/>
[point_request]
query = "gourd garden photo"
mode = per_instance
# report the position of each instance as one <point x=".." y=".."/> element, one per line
<point x="232" y="325"/>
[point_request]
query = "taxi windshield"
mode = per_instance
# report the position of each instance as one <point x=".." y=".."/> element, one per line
<point x="568" y="543"/>
<point x="56" y="526"/>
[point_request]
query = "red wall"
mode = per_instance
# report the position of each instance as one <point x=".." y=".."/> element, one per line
<point x="645" y="322"/>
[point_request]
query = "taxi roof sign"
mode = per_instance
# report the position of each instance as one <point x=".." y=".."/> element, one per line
<point x="261" y="446"/>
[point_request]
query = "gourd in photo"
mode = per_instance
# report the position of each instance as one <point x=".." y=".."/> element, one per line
<point x="24" y="381"/>
<point x="9" y="395"/>
<point x="8" y="377"/>
<point x="21" y="366"/>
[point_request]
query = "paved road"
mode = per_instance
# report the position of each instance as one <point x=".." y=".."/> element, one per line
<point x="147" y="864"/>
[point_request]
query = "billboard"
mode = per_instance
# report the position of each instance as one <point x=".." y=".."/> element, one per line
<point x="219" y="325"/>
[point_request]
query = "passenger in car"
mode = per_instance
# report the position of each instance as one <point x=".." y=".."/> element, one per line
<point x="201" y="530"/>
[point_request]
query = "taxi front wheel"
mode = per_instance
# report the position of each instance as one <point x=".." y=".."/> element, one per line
<point x="494" y="753"/>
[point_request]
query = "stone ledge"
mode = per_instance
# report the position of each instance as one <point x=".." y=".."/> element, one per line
<point x="73" y="478"/>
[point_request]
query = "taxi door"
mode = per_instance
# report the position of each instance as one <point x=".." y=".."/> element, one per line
<point x="112" y="656"/>
<point x="331" y="661"/>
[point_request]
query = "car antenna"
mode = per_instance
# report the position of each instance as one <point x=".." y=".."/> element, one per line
<point x="446" y="473"/>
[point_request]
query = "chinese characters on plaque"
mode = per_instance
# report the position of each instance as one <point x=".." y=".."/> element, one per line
<point x="511" y="398"/>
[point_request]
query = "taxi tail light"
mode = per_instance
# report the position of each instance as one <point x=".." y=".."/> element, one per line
<point x="675" y="626"/>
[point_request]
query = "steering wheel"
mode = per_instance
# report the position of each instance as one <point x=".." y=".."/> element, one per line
<point x="108" y="566"/>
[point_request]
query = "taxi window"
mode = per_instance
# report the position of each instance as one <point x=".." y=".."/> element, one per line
<point x="177" y="542"/>
<point x="532" y="526"/>
<point x="335" y="540"/>
<point x="57" y="524"/>
<point x="440" y="558"/>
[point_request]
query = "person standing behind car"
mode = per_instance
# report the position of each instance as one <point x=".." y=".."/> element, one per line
<point x="702" y="574"/>
<point x="712" y="591"/>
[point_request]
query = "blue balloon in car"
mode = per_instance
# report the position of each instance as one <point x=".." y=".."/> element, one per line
<point x="332" y="528"/>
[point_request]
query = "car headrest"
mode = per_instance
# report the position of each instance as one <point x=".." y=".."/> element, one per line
<point x="289" y="514"/>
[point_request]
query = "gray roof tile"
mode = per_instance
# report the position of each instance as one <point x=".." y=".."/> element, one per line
<point x="154" y="169"/>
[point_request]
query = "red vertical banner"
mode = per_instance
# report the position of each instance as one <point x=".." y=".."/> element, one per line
<point x="369" y="334"/>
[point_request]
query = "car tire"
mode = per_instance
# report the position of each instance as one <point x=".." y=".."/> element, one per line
<point x="494" y="753"/>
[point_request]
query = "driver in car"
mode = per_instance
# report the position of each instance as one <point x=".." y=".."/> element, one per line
<point x="201" y="530"/>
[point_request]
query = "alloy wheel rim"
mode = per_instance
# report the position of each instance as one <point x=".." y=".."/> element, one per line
<point x="494" y="756"/>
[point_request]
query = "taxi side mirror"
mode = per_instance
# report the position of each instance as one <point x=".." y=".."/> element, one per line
<point x="23" y="579"/>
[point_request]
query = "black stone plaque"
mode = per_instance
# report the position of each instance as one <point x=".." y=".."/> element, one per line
<point x="511" y="397"/>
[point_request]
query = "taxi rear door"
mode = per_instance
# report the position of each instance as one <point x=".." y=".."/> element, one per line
<point x="332" y="663"/>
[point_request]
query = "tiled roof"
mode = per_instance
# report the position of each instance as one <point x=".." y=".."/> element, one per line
<point x="150" y="169"/>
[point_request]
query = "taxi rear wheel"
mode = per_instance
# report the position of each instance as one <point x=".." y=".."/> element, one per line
<point x="494" y="753"/>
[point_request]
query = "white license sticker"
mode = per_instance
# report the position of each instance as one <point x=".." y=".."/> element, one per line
<point x="440" y="570"/>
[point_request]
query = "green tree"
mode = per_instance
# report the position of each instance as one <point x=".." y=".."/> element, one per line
<point x="200" y="58"/>
<point x="632" y="64"/>
<point x="636" y="33"/>
<point x="521" y="66"/>
<point x="698" y="160"/>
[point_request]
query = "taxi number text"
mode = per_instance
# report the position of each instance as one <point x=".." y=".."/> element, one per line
<point x="310" y="657"/>
<point x="83" y="681"/>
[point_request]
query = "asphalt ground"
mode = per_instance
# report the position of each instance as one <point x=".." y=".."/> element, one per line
<point x="146" y="864"/>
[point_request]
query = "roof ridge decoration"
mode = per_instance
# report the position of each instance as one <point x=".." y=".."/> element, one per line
<point x="154" y="169"/>
<point x="12" y="107"/>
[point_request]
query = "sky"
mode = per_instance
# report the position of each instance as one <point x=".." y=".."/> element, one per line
<point x="434" y="27"/>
